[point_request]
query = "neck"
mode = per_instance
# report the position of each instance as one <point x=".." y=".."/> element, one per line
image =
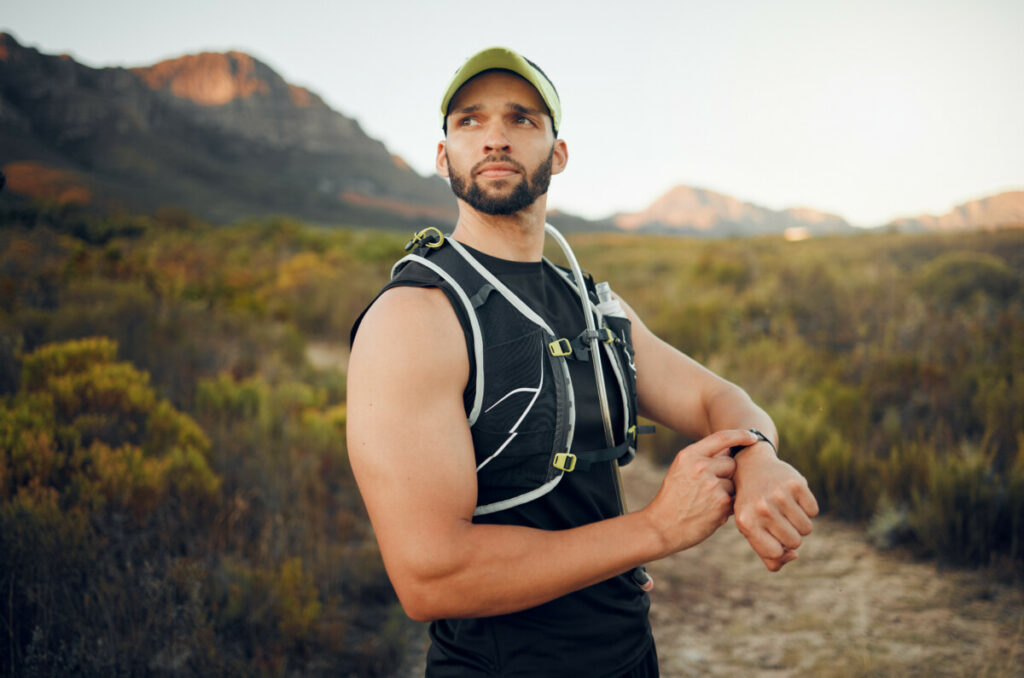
<point x="516" y="237"/>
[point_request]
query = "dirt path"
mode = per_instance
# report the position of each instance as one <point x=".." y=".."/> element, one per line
<point x="843" y="610"/>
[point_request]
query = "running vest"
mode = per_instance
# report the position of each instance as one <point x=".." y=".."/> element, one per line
<point x="522" y="412"/>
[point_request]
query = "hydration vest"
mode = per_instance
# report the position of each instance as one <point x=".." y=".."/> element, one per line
<point x="522" y="412"/>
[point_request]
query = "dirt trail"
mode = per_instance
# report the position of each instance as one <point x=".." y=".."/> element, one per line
<point x="843" y="610"/>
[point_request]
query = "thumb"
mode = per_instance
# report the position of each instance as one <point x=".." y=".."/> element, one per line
<point x="722" y="442"/>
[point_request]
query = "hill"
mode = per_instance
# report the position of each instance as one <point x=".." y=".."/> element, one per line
<point x="997" y="211"/>
<point x="685" y="210"/>
<point x="221" y="135"/>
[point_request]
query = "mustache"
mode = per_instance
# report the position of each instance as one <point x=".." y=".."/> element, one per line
<point x="498" y="158"/>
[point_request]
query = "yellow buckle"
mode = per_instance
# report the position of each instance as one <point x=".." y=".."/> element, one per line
<point x="632" y="432"/>
<point x="560" y="348"/>
<point x="430" y="237"/>
<point x="565" y="461"/>
<point x="436" y="232"/>
<point x="609" y="336"/>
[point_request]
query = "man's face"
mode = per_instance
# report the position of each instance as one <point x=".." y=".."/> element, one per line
<point x="500" y="151"/>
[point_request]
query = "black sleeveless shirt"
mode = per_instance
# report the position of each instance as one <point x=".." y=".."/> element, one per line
<point x="602" y="630"/>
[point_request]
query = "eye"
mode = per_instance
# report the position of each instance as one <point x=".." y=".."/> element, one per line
<point x="468" y="122"/>
<point x="523" y="120"/>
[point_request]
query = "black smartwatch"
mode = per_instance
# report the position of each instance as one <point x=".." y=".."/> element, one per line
<point x="760" y="438"/>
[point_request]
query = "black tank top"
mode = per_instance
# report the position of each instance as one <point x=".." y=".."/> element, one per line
<point x="602" y="630"/>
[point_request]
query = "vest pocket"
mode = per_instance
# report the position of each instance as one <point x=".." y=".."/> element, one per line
<point x="514" y="434"/>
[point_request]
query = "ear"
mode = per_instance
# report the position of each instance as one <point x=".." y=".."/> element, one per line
<point x="560" y="157"/>
<point x="441" y="161"/>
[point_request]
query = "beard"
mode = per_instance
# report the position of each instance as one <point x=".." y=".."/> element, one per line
<point x="524" y="194"/>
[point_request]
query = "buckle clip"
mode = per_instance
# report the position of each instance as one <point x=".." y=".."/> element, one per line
<point x="560" y="348"/>
<point x="431" y="237"/>
<point x="565" y="461"/>
<point x="606" y="335"/>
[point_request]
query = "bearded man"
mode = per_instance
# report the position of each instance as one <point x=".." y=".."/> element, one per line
<point x="485" y="438"/>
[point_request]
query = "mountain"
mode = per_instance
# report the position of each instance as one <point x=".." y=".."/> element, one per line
<point x="700" y="212"/>
<point x="221" y="135"/>
<point x="997" y="211"/>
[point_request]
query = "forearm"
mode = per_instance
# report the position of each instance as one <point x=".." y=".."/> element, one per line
<point x="683" y="395"/>
<point x="483" y="570"/>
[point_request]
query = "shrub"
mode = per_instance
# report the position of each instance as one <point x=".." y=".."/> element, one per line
<point x="953" y="278"/>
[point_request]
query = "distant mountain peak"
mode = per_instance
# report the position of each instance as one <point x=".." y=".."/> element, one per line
<point x="996" y="211"/>
<point x="699" y="211"/>
<point x="217" y="78"/>
<point x="208" y="79"/>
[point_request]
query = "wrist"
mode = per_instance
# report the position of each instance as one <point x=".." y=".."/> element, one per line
<point x="763" y="445"/>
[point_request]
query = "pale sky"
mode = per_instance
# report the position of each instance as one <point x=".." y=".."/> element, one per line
<point x="870" y="109"/>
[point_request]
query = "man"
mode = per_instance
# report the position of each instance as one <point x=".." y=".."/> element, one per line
<point x="477" y="438"/>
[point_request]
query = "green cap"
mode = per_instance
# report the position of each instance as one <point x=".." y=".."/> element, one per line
<point x="508" y="60"/>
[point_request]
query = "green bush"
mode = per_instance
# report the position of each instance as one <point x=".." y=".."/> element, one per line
<point x="958" y="514"/>
<point x="953" y="278"/>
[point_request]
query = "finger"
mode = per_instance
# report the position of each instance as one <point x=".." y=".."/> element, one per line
<point x="775" y="564"/>
<point x="797" y="517"/>
<point x="765" y="545"/>
<point x="727" y="486"/>
<point x="721" y="442"/>
<point x="807" y="501"/>
<point x="784" y="532"/>
<point x="722" y="466"/>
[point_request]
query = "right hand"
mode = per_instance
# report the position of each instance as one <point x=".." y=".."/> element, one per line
<point x="696" y="495"/>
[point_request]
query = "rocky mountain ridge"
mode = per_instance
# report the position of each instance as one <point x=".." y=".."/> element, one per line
<point x="221" y="135"/>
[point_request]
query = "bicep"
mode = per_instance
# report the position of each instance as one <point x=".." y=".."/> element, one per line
<point x="408" y="439"/>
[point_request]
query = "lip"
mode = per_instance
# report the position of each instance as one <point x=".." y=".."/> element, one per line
<point x="497" y="170"/>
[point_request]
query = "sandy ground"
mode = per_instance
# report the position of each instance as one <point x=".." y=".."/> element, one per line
<point x="842" y="610"/>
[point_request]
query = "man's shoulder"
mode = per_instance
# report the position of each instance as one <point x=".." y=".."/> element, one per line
<point x="416" y="310"/>
<point x="411" y="321"/>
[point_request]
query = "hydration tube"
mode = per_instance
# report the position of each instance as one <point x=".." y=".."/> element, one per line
<point x="639" y="574"/>
<point x="595" y="355"/>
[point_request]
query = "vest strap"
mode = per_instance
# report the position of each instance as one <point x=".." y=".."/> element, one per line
<point x="578" y="348"/>
<point x="586" y="460"/>
<point x="481" y="295"/>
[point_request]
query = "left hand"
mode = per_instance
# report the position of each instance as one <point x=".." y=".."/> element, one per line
<point x="773" y="506"/>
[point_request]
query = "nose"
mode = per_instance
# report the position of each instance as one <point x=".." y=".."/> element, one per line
<point x="496" y="139"/>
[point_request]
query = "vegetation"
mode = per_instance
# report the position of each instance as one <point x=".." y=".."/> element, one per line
<point x="892" y="365"/>
<point x="175" y="495"/>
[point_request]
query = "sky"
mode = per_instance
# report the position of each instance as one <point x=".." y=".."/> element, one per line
<point x="869" y="109"/>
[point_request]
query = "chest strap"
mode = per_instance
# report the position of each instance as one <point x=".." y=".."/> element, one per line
<point x="578" y="348"/>
<point x="569" y="462"/>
